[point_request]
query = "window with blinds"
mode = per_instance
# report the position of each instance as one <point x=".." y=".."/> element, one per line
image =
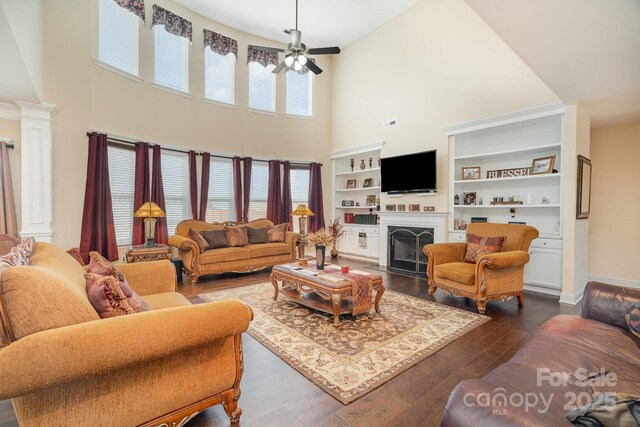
<point x="175" y="181"/>
<point x="299" y="93"/>
<point x="299" y="190"/>
<point x="220" y="200"/>
<point x="259" y="190"/>
<point x="171" y="59"/>
<point x="262" y="87"/>
<point x="219" y="76"/>
<point x="118" y="37"/>
<point x="121" y="180"/>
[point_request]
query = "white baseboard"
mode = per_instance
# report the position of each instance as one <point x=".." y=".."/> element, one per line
<point x="541" y="289"/>
<point x="616" y="281"/>
<point x="572" y="299"/>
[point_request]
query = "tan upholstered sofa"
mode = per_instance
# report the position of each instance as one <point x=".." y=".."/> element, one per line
<point x="237" y="259"/>
<point x="63" y="365"/>
<point x="496" y="276"/>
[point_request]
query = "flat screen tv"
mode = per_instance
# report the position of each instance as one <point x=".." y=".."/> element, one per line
<point x="411" y="173"/>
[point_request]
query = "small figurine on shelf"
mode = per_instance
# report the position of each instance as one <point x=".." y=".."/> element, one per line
<point x="481" y="201"/>
<point x="378" y="161"/>
<point x="456" y="200"/>
<point x="352" y="163"/>
<point x="530" y="198"/>
<point x="545" y="201"/>
<point x="362" y="165"/>
<point x="370" y="162"/>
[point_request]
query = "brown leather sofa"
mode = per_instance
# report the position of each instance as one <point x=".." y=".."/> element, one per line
<point x="63" y="365"/>
<point x="497" y="276"/>
<point x="237" y="259"/>
<point x="554" y="366"/>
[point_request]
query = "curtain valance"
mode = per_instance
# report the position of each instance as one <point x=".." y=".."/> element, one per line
<point x="262" y="57"/>
<point x="173" y="23"/>
<point x="222" y="45"/>
<point x="134" y="6"/>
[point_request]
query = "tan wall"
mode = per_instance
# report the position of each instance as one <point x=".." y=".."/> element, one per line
<point x="90" y="97"/>
<point x="11" y="129"/>
<point x="614" y="227"/>
<point x="435" y="65"/>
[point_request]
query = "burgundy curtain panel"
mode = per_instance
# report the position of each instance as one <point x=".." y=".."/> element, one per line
<point x="98" y="232"/>
<point x="204" y="185"/>
<point x="246" y="184"/>
<point x="157" y="196"/>
<point x="8" y="215"/>
<point x="285" y="210"/>
<point x="274" y="195"/>
<point x="237" y="187"/>
<point x="140" y="190"/>
<point x="193" y="184"/>
<point x="315" y="222"/>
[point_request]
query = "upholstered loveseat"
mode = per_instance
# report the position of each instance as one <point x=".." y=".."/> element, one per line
<point x="252" y="257"/>
<point x="63" y="365"/>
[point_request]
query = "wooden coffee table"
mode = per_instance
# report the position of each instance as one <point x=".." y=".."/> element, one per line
<point x="317" y="291"/>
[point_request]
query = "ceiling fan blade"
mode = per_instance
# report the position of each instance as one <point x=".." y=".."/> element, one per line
<point x="324" y="51"/>
<point x="313" y="67"/>
<point x="268" y="49"/>
<point x="279" y="67"/>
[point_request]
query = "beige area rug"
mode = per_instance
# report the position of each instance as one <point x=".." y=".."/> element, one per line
<point x="365" y="352"/>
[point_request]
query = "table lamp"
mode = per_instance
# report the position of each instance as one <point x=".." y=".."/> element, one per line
<point x="303" y="212"/>
<point x="149" y="211"/>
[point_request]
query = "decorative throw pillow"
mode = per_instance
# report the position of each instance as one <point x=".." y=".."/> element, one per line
<point x="75" y="253"/>
<point x="103" y="267"/>
<point x="21" y="254"/>
<point x="633" y="319"/>
<point x="480" y="245"/>
<point x="277" y="233"/>
<point x="215" y="239"/>
<point x="109" y="299"/>
<point x="237" y="236"/>
<point x="258" y="235"/>
<point x="200" y="241"/>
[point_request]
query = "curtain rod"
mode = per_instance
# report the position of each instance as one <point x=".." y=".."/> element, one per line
<point x="198" y="153"/>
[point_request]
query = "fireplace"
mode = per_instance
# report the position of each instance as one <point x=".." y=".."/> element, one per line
<point x="405" y="248"/>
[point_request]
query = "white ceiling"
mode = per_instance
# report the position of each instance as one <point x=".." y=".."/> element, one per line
<point x="586" y="51"/>
<point x="322" y="22"/>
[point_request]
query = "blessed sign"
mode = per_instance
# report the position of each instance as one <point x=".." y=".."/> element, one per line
<point x="508" y="173"/>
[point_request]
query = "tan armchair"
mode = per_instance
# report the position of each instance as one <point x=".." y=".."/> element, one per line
<point x="498" y="276"/>
<point x="63" y="365"/>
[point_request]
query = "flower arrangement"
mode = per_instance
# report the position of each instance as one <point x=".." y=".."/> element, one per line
<point x="336" y="229"/>
<point x="322" y="237"/>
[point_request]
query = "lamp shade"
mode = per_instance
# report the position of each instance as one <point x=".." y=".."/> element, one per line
<point x="149" y="210"/>
<point x="302" y="210"/>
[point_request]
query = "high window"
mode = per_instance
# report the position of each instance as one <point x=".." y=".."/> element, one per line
<point x="220" y="200"/>
<point x="118" y="37"/>
<point x="262" y="87"/>
<point x="121" y="180"/>
<point x="299" y="93"/>
<point x="219" y="76"/>
<point x="171" y="59"/>
<point x="175" y="181"/>
<point x="259" y="190"/>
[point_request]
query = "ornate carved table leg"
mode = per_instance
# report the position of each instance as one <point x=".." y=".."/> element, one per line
<point x="336" y="299"/>
<point x="379" y="294"/>
<point x="274" y="282"/>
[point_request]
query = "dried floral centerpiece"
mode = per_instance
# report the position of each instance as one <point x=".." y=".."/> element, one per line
<point x="336" y="230"/>
<point x="320" y="239"/>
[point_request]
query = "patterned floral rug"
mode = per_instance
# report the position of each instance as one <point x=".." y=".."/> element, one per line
<point x="365" y="352"/>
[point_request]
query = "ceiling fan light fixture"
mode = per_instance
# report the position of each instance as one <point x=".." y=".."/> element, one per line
<point x="302" y="59"/>
<point x="289" y="60"/>
<point x="297" y="65"/>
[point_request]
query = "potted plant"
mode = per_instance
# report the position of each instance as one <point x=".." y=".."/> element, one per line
<point x="320" y="239"/>
<point x="336" y="230"/>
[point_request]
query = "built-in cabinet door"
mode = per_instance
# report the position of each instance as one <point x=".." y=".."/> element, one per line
<point x="374" y="245"/>
<point x="351" y="241"/>
<point x="544" y="268"/>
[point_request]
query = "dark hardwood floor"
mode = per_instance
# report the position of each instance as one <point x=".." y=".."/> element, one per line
<point x="274" y="394"/>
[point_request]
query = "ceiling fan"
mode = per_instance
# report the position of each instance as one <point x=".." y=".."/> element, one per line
<point x="296" y="54"/>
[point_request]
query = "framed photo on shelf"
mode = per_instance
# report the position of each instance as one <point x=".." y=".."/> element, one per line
<point x="371" y="200"/>
<point x="429" y="208"/>
<point x="470" y="198"/>
<point x="401" y="207"/>
<point x="390" y="208"/>
<point x="542" y="165"/>
<point x="584" y="188"/>
<point x="367" y="183"/>
<point x="471" y="172"/>
<point x="351" y="184"/>
<point x="413" y="207"/>
<point x="347" y="203"/>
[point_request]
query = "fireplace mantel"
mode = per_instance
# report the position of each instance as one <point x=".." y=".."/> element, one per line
<point x="435" y="220"/>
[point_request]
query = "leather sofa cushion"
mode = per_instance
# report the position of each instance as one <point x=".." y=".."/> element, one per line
<point x="460" y="272"/>
<point x="166" y="300"/>
<point x="258" y="235"/>
<point x="224" y="254"/>
<point x="268" y="249"/>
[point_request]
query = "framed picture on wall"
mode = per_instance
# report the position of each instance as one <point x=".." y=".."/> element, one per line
<point x="584" y="188"/>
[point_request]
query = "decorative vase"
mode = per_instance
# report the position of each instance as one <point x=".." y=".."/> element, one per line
<point x="370" y="162"/>
<point x="334" y="251"/>
<point x="352" y="163"/>
<point x="362" y="165"/>
<point x="320" y="257"/>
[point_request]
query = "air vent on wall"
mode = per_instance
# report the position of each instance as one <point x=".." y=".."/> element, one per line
<point x="389" y="123"/>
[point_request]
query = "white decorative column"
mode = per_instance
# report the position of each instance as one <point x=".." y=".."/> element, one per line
<point x="37" y="174"/>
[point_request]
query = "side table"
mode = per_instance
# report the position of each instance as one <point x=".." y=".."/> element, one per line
<point x="141" y="253"/>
